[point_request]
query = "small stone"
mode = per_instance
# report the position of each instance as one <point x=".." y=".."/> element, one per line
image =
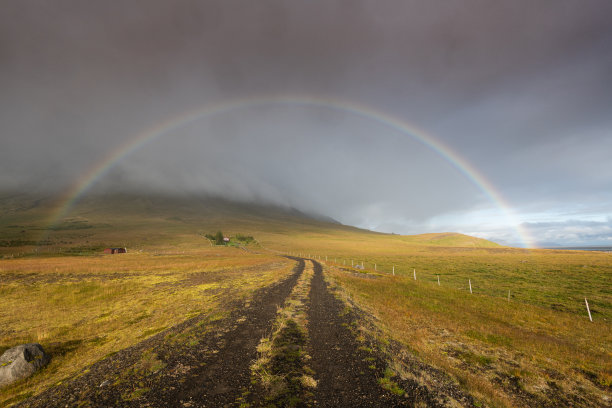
<point x="104" y="383"/>
<point x="21" y="362"/>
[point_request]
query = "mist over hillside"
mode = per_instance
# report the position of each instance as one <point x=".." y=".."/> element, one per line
<point x="395" y="117"/>
<point x="162" y="220"/>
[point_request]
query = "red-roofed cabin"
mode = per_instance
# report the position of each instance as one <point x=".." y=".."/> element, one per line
<point x="115" y="250"/>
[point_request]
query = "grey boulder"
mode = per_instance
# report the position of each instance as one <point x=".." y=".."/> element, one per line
<point x="21" y="362"/>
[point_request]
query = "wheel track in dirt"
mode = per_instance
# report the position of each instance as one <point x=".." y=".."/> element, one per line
<point x="352" y="372"/>
<point x="347" y="375"/>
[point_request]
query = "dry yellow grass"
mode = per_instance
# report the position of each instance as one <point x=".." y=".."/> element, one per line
<point x="559" y="280"/>
<point x="84" y="308"/>
<point x="488" y="344"/>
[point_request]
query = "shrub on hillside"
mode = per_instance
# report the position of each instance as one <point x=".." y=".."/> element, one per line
<point x="244" y="238"/>
<point x="219" y="238"/>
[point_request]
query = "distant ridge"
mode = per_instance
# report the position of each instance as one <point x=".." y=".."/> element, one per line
<point x="601" y="248"/>
<point x="450" y="239"/>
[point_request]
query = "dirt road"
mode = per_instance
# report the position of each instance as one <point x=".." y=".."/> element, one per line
<point x="203" y="363"/>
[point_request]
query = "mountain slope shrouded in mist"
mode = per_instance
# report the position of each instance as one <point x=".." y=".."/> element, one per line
<point x="485" y="118"/>
<point x="142" y="220"/>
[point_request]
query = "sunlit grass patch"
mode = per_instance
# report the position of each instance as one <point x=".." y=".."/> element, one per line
<point x="308" y="381"/>
<point x="84" y="309"/>
<point x="149" y="363"/>
<point x="482" y="341"/>
<point x="388" y="384"/>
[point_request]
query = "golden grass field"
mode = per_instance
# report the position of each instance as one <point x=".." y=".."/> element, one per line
<point x="480" y="339"/>
<point x="84" y="308"/>
<point x="57" y="289"/>
<point x="497" y="348"/>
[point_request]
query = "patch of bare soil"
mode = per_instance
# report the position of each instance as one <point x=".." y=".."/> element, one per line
<point x="197" y="363"/>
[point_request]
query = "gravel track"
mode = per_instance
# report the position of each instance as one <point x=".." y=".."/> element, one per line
<point x="347" y="373"/>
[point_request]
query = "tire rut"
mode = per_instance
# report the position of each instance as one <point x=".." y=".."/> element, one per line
<point x="347" y="375"/>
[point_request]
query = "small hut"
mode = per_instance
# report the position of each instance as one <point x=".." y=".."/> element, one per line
<point x="115" y="250"/>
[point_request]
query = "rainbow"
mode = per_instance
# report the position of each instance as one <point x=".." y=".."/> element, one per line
<point x="98" y="171"/>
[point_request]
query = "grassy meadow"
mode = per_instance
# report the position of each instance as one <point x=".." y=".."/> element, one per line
<point x="497" y="349"/>
<point x="82" y="308"/>
<point x="537" y="347"/>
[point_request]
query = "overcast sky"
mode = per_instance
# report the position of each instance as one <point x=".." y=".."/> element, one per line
<point x="522" y="90"/>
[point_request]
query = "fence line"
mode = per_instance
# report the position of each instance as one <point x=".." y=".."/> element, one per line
<point x="362" y="266"/>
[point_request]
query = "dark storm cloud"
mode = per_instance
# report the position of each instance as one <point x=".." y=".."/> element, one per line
<point x="521" y="89"/>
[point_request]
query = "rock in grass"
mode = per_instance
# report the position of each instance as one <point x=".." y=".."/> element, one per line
<point x="21" y="362"/>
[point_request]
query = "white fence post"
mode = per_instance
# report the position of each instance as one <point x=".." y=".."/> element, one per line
<point x="414" y="273"/>
<point x="470" y="282"/>
<point x="438" y="280"/>
<point x="588" y="310"/>
<point x="393" y="270"/>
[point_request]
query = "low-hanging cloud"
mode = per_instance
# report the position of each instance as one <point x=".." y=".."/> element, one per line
<point x="574" y="232"/>
<point x="522" y="91"/>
